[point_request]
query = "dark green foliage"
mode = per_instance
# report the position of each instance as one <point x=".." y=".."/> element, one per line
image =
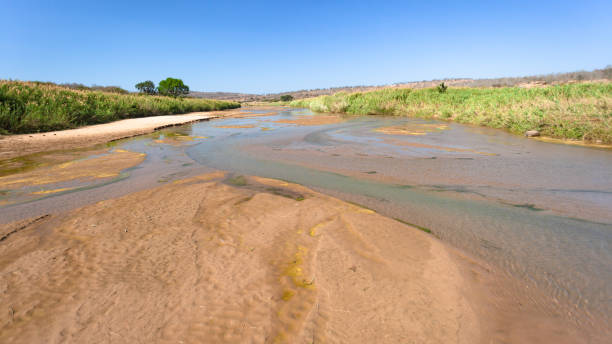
<point x="172" y="87"/>
<point x="424" y="229"/>
<point x="286" y="98"/>
<point x="442" y="88"/>
<point x="33" y="107"/>
<point x="146" y="87"/>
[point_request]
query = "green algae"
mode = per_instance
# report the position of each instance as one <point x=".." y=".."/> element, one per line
<point x="424" y="229"/>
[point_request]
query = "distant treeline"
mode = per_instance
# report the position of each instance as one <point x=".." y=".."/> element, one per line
<point x="581" y="111"/>
<point x="27" y="107"/>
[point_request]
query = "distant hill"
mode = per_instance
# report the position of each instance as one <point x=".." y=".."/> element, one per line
<point x="525" y="81"/>
<point x="223" y="95"/>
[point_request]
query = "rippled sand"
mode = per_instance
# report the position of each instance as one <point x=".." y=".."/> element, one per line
<point x="220" y="258"/>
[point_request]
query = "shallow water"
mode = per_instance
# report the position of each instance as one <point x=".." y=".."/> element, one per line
<point x="541" y="212"/>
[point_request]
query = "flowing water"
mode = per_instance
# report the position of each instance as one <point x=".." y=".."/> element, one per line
<point x="541" y="212"/>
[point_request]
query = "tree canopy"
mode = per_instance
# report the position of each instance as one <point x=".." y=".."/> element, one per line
<point x="172" y="87"/>
<point x="146" y="87"/>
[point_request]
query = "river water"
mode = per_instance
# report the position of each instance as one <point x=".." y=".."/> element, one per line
<point x="540" y="212"/>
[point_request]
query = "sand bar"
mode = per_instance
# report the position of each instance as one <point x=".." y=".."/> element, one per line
<point x="17" y="145"/>
<point x="234" y="260"/>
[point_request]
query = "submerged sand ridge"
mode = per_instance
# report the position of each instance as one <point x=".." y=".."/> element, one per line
<point x="228" y="259"/>
<point x="63" y="176"/>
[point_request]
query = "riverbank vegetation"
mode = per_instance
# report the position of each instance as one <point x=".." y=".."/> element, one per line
<point x="580" y="111"/>
<point x="27" y="107"/>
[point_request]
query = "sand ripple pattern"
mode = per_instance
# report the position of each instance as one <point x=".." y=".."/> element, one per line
<point x="204" y="261"/>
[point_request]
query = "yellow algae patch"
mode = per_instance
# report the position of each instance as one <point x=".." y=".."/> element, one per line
<point x="313" y="230"/>
<point x="365" y="211"/>
<point x="183" y="138"/>
<point x="243" y="126"/>
<point x="66" y="164"/>
<point x="295" y="271"/>
<point x="175" y="139"/>
<point x="105" y="166"/>
<point x="287" y="295"/>
<point x="442" y="148"/>
<point x="312" y="120"/>
<point x="269" y="181"/>
<point x="414" y="129"/>
<point x="46" y="192"/>
<point x="266" y="128"/>
<point x="278" y="182"/>
<point x="210" y="176"/>
<point x="572" y="142"/>
<point x="253" y="114"/>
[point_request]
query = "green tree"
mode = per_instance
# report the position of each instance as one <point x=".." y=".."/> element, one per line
<point x="286" y="97"/>
<point x="146" y="87"/>
<point x="172" y="87"/>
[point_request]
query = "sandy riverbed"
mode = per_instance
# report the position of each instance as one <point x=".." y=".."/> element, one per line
<point x="218" y="259"/>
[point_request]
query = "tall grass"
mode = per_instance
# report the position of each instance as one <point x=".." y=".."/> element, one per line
<point x="571" y="111"/>
<point x="33" y="107"/>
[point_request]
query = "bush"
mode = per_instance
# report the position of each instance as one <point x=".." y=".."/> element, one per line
<point x="442" y="88"/>
<point x="286" y="98"/>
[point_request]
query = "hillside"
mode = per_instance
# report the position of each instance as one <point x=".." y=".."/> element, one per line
<point x="524" y="81"/>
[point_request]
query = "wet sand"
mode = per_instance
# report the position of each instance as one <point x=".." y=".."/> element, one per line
<point x="220" y="258"/>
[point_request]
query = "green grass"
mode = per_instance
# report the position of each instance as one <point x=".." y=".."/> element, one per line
<point x="571" y="111"/>
<point x="34" y="107"/>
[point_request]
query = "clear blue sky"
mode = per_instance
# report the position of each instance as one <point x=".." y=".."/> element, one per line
<point x="274" y="46"/>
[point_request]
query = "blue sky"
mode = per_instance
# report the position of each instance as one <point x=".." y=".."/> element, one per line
<point x="261" y="47"/>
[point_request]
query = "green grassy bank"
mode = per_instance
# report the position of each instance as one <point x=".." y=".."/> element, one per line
<point x="571" y="111"/>
<point x="27" y="107"/>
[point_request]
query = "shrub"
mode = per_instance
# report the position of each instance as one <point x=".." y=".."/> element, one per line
<point x="442" y="88"/>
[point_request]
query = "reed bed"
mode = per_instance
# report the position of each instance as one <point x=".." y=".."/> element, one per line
<point x="27" y="107"/>
<point x="579" y="111"/>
